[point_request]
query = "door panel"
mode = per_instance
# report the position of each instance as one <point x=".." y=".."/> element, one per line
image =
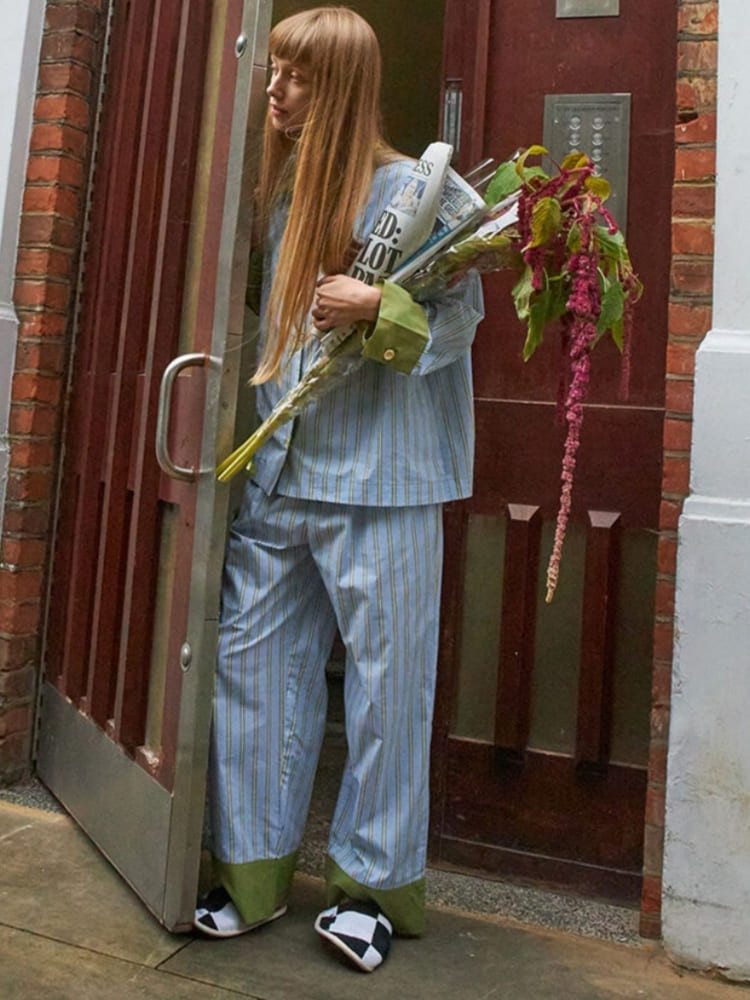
<point x="131" y="633"/>
<point x="542" y="715"/>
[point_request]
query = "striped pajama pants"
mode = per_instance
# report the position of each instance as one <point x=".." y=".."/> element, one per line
<point x="294" y="571"/>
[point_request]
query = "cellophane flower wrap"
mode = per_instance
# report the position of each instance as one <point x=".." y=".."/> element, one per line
<point x="574" y="277"/>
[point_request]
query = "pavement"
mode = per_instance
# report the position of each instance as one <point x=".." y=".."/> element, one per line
<point x="71" y="928"/>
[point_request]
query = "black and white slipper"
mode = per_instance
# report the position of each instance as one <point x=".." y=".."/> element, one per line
<point x="217" y="916"/>
<point x="359" y="930"/>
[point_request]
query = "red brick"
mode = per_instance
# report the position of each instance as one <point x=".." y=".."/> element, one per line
<point x="58" y="138"/>
<point x="663" y="640"/>
<point x="689" y="320"/>
<point x="700" y="130"/>
<point x="666" y="563"/>
<point x="30" y="292"/>
<point x="661" y="684"/>
<point x="664" y="599"/>
<point x="17" y="720"/>
<point x="681" y="356"/>
<point x="52" y="199"/>
<point x="651" y="894"/>
<point x="72" y="17"/>
<point x="29" y="485"/>
<point x="669" y="514"/>
<point x="26" y="418"/>
<point x="65" y="76"/>
<point x="697" y="56"/>
<point x="655" y="801"/>
<point x="20" y="618"/>
<point x="38" y="263"/>
<point x="47" y="230"/>
<point x="693" y="237"/>
<point x="653" y="850"/>
<point x="45" y="356"/>
<point x="22" y="552"/>
<point x="18" y="684"/>
<point x="696" y="201"/>
<point x="692" y="276"/>
<point x="698" y="18"/>
<point x="30" y="520"/>
<point x="17" y="652"/>
<point x="21" y="586"/>
<point x="68" y="109"/>
<point x="659" y="723"/>
<point x="42" y="323"/>
<point x="55" y="168"/>
<point x="678" y="396"/>
<point x="39" y="388"/>
<point x="677" y="434"/>
<point x="15" y="756"/>
<point x="676" y="474"/>
<point x="649" y="926"/>
<point x="694" y="164"/>
<point x="59" y="46"/>
<point x="697" y="92"/>
<point x="30" y="454"/>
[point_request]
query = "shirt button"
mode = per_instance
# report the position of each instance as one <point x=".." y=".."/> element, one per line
<point x="389" y="355"/>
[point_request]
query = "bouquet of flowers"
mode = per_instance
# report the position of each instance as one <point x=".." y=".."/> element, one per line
<point x="574" y="275"/>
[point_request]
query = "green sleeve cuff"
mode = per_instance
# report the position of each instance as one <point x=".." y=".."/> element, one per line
<point x="400" y="334"/>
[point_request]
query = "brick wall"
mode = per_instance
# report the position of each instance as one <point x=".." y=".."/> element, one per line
<point x="689" y="321"/>
<point x="50" y="238"/>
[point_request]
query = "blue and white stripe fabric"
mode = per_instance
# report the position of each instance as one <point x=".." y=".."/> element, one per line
<point x="341" y="527"/>
<point x="382" y="438"/>
<point x="294" y="570"/>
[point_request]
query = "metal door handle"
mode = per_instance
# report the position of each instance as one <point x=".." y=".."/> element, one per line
<point x="173" y="369"/>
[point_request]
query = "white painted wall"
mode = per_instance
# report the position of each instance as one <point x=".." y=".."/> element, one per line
<point x="20" y="37"/>
<point x="706" y="915"/>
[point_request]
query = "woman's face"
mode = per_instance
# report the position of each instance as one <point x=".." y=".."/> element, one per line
<point x="289" y="94"/>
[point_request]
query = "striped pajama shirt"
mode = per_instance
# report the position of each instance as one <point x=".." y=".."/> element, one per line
<point x="341" y="527"/>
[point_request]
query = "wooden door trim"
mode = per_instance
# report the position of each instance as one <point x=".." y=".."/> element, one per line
<point x="465" y="62"/>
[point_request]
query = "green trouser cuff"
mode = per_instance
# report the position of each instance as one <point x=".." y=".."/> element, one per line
<point x="404" y="906"/>
<point x="257" y="888"/>
<point x="401" y="332"/>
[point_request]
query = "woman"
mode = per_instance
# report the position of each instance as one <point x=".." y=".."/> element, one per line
<point x="340" y="525"/>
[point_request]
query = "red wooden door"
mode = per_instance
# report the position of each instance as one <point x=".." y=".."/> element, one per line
<point x="131" y="631"/>
<point x="542" y="720"/>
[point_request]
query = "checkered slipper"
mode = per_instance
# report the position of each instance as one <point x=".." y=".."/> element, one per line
<point x="217" y="916"/>
<point x="359" y="930"/>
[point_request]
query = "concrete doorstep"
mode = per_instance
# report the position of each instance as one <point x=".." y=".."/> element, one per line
<point x="71" y="928"/>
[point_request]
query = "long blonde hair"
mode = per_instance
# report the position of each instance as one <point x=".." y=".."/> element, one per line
<point x="328" y="169"/>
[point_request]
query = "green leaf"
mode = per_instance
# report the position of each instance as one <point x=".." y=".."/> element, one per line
<point x="618" y="333"/>
<point x="548" y="305"/>
<point x="613" y="303"/>
<point x="611" y="244"/>
<point x="504" y="182"/>
<point x="545" y="221"/>
<point x="599" y="187"/>
<point x="574" y="242"/>
<point x="573" y="161"/>
<point x="531" y="151"/>
<point x="522" y="292"/>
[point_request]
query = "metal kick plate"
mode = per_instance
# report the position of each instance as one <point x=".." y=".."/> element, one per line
<point x="599" y="126"/>
<point x="588" y="8"/>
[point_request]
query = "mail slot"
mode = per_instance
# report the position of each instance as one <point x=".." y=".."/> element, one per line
<point x="588" y="8"/>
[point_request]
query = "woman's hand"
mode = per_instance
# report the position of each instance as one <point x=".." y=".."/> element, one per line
<point x="342" y="301"/>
